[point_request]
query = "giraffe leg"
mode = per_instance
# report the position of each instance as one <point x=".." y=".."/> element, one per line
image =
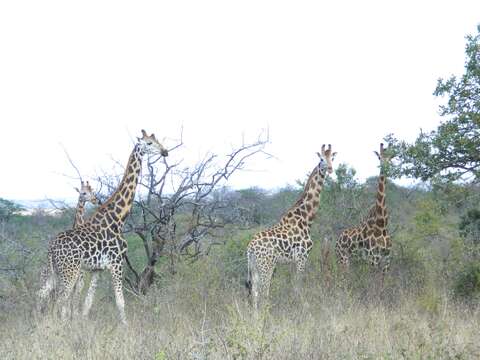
<point x="386" y="259"/>
<point x="374" y="259"/>
<point x="253" y="279"/>
<point x="344" y="260"/>
<point x="77" y="292"/>
<point x="90" y="294"/>
<point x="300" y="264"/>
<point x="47" y="279"/>
<point x="265" y="278"/>
<point x="45" y="291"/>
<point x="255" y="284"/>
<point x="116" y="272"/>
<point x="67" y="289"/>
<point x="260" y="277"/>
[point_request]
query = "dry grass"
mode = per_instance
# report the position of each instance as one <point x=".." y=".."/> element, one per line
<point x="197" y="316"/>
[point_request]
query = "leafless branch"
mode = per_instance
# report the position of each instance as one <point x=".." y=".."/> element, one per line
<point x="71" y="162"/>
<point x="179" y="209"/>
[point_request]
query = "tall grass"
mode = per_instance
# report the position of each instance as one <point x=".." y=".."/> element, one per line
<point x="202" y="314"/>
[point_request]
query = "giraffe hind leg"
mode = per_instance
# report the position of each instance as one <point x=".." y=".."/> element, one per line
<point x="77" y="293"/>
<point x="45" y="292"/>
<point x="68" y="282"/>
<point x="265" y="273"/>
<point x="48" y="284"/>
<point x="253" y="280"/>
<point x="386" y="259"/>
<point x="343" y="258"/>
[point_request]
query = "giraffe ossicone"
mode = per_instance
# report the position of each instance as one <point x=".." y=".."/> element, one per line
<point x="289" y="240"/>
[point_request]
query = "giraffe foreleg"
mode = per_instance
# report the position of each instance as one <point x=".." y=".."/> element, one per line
<point x="116" y="272"/>
<point x="298" y="281"/>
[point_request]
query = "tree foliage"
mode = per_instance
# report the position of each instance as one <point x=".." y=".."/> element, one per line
<point x="470" y="225"/>
<point x="8" y="209"/>
<point x="451" y="152"/>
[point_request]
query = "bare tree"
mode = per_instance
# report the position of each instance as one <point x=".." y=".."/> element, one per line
<point x="182" y="210"/>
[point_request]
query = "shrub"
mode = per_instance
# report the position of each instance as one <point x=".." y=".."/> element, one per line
<point x="467" y="284"/>
<point x="470" y="225"/>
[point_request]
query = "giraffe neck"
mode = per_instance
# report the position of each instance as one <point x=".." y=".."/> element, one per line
<point x="79" y="213"/>
<point x="381" y="208"/>
<point x="114" y="211"/>
<point x="378" y="215"/>
<point x="307" y="204"/>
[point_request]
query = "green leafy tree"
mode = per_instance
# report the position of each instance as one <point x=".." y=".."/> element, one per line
<point x="343" y="202"/>
<point x="452" y="151"/>
<point x="8" y="209"/>
<point x="470" y="225"/>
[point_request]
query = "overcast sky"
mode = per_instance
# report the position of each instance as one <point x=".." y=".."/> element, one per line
<point x="89" y="75"/>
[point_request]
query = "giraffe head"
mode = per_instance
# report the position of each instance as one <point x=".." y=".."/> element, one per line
<point x="326" y="158"/>
<point x="87" y="194"/>
<point x="150" y="144"/>
<point x="384" y="156"/>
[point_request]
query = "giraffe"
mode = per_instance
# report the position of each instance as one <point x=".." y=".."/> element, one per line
<point x="86" y="194"/>
<point x="370" y="238"/>
<point x="289" y="240"/>
<point x="98" y="244"/>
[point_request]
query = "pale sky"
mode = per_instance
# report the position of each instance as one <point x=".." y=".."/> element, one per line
<point x="89" y="75"/>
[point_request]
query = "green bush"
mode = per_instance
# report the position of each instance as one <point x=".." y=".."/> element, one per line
<point x="470" y="225"/>
<point x="467" y="284"/>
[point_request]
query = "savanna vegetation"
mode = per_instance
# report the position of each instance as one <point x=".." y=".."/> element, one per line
<point x="185" y="294"/>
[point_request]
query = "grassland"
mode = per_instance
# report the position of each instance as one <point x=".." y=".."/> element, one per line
<point x="202" y="314"/>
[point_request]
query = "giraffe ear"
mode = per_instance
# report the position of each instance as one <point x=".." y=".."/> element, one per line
<point x="144" y="133"/>
<point x="376" y="153"/>
<point x="77" y="190"/>
<point x="334" y="154"/>
<point x="318" y="154"/>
